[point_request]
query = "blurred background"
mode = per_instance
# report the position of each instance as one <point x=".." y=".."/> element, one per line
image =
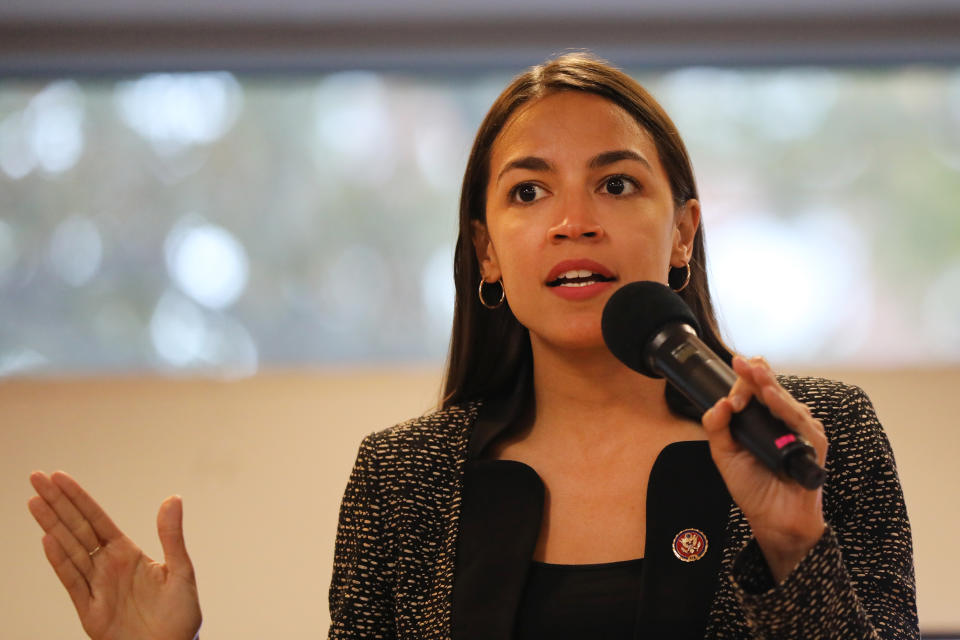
<point x="223" y="230"/>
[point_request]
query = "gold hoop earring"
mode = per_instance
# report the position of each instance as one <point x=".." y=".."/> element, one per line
<point x="686" y="279"/>
<point x="503" y="294"/>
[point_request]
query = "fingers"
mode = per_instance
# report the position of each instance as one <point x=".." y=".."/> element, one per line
<point x="72" y="519"/>
<point x="72" y="580"/>
<point x="65" y="510"/>
<point x="747" y="384"/>
<point x="75" y="540"/>
<point x="103" y="526"/>
<point x="716" y="422"/>
<point x="784" y="406"/>
<point x="757" y="377"/>
<point x="752" y="372"/>
<point x="170" y="530"/>
<point x="797" y="416"/>
<point x="69" y="546"/>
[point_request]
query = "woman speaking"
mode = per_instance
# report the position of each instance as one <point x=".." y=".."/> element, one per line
<point x="557" y="493"/>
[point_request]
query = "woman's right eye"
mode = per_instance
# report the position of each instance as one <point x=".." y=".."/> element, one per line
<point x="526" y="192"/>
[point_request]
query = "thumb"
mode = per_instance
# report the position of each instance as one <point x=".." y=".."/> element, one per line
<point x="170" y="529"/>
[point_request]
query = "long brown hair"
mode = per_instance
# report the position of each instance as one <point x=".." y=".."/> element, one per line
<point x="490" y="350"/>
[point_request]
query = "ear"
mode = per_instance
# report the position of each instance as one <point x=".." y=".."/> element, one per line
<point x="486" y="254"/>
<point x="686" y="223"/>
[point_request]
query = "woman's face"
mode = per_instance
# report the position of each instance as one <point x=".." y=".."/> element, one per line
<point x="578" y="205"/>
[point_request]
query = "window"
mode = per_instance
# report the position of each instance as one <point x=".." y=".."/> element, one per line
<point x="217" y="223"/>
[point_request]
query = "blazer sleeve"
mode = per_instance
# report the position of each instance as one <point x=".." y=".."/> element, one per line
<point x="361" y="592"/>
<point x="857" y="582"/>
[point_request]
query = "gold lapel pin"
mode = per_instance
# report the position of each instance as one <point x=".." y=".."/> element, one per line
<point x="690" y="545"/>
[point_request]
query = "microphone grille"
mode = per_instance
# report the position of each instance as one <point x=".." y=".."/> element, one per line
<point x="634" y="315"/>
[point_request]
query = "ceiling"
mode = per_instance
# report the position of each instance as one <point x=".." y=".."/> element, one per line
<point x="94" y="36"/>
<point x="434" y="10"/>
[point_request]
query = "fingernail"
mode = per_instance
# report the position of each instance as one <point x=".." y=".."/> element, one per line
<point x="738" y="403"/>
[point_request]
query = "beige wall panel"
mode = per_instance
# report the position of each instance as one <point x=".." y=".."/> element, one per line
<point x="261" y="464"/>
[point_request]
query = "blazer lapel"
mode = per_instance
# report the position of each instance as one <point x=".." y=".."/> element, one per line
<point x="499" y="527"/>
<point x="500" y="522"/>
<point x="685" y="491"/>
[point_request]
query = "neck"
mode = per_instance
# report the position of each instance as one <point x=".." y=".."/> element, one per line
<point x="589" y="394"/>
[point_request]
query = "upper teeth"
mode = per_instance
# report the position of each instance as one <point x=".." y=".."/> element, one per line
<point x="576" y="273"/>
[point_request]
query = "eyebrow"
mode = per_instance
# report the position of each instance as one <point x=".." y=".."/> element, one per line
<point x="610" y="157"/>
<point x="535" y="163"/>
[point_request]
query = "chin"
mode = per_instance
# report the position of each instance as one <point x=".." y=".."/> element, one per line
<point x="572" y="336"/>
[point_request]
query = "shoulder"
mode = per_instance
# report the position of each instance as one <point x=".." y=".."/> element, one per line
<point x="423" y="445"/>
<point x="412" y="471"/>
<point x="442" y="427"/>
<point x="844" y="409"/>
<point x="821" y="394"/>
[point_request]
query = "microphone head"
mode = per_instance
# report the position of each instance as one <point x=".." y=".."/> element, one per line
<point x="634" y="315"/>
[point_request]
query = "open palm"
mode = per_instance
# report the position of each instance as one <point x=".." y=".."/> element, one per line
<point x="118" y="591"/>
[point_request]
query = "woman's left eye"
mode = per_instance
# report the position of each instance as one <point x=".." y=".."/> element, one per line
<point x="619" y="185"/>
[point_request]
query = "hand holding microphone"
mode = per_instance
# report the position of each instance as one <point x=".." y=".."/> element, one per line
<point x="764" y="451"/>
<point x="653" y="331"/>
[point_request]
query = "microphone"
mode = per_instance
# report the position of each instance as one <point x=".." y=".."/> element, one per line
<point x="653" y="331"/>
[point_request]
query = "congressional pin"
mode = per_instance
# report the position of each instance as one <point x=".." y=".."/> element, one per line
<point x="690" y="545"/>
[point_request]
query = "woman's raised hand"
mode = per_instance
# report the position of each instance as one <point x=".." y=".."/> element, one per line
<point x="786" y="519"/>
<point x="118" y="591"/>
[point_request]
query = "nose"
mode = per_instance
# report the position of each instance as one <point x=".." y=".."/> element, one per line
<point x="577" y="220"/>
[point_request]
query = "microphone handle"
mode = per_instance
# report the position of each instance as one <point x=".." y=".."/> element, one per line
<point x="703" y="377"/>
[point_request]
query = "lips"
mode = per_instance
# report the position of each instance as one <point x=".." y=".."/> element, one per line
<point x="578" y="273"/>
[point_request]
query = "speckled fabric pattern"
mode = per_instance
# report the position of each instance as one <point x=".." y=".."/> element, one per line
<point x="397" y="536"/>
<point x="399" y="520"/>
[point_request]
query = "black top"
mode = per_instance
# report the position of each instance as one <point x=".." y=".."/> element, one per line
<point x="564" y="601"/>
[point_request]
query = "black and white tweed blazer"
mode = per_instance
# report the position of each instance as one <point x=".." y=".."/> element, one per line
<point x="434" y="541"/>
